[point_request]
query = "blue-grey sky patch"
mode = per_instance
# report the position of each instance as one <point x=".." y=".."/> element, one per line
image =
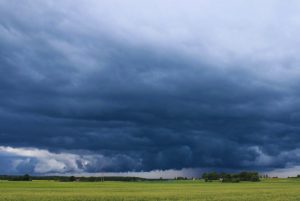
<point x="118" y="86"/>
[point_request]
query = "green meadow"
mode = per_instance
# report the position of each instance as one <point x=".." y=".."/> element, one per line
<point x="270" y="189"/>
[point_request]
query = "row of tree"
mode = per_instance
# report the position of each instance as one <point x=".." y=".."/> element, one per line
<point x="210" y="176"/>
<point x="27" y="177"/>
<point x="225" y="177"/>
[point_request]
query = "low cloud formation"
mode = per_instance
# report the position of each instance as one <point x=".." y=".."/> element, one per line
<point x="39" y="161"/>
<point x="43" y="162"/>
<point x="117" y="86"/>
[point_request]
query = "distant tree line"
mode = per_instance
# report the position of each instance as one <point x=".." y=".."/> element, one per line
<point x="296" y="177"/>
<point x="210" y="176"/>
<point x="27" y="177"/>
<point x="180" y="178"/>
<point x="225" y="177"/>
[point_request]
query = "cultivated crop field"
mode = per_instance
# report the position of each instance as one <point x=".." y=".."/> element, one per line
<point x="271" y="189"/>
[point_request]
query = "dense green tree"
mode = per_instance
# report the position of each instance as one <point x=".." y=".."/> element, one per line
<point x="72" y="178"/>
<point x="26" y="177"/>
<point x="225" y="177"/>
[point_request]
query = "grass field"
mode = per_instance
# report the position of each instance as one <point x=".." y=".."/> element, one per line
<point x="271" y="189"/>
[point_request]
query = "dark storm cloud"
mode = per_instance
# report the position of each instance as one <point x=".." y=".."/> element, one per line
<point x="93" y="83"/>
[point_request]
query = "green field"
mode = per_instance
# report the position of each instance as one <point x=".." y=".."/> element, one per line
<point x="271" y="189"/>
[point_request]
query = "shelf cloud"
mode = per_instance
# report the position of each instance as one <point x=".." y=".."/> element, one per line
<point x="118" y="86"/>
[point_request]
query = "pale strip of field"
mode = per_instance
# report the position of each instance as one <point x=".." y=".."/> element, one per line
<point x="271" y="189"/>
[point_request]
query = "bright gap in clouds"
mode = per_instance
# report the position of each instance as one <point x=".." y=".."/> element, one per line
<point x="42" y="162"/>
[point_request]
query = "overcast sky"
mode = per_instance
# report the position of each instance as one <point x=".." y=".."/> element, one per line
<point x="91" y="86"/>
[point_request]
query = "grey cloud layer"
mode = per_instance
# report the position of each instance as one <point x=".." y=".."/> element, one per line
<point x="145" y="89"/>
